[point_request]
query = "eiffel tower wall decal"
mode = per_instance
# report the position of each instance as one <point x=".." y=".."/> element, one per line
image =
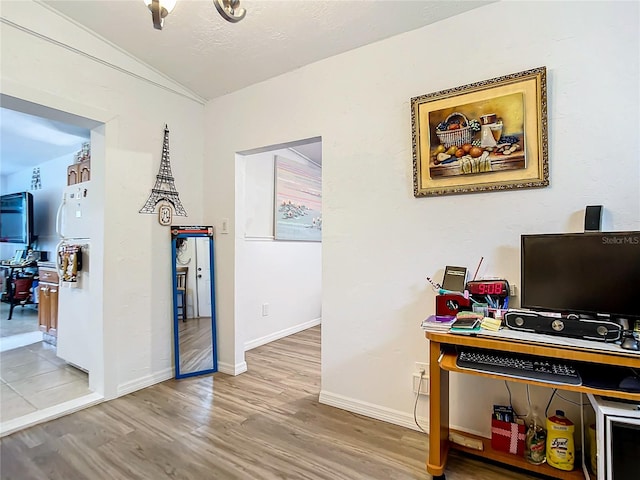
<point x="164" y="190"/>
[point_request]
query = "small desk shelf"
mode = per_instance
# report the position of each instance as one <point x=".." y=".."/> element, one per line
<point x="515" y="460"/>
<point x="442" y="361"/>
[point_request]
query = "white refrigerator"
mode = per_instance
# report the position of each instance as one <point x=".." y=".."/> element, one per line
<point x="73" y="255"/>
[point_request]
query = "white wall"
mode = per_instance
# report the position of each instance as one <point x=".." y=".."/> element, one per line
<point x="379" y="242"/>
<point x="132" y="295"/>
<point x="53" y="176"/>
<point x="285" y="275"/>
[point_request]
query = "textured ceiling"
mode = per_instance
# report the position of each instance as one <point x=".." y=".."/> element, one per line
<point x="27" y="140"/>
<point x="212" y="57"/>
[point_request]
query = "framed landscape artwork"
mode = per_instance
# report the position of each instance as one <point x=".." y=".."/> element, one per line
<point x="298" y="200"/>
<point x="486" y="136"/>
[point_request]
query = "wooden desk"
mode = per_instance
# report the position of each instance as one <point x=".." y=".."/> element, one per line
<point x="440" y="364"/>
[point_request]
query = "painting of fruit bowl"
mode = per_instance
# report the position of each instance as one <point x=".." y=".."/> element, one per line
<point x="490" y="135"/>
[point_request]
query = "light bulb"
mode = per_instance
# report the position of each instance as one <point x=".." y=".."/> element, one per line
<point x="166" y="5"/>
<point x="159" y="10"/>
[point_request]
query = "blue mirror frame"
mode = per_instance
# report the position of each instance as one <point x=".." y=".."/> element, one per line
<point x="186" y="232"/>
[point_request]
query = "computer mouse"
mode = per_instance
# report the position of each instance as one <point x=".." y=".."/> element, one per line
<point x="630" y="384"/>
<point x="630" y="343"/>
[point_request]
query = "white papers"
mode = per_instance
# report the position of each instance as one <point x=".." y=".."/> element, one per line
<point x="436" y="324"/>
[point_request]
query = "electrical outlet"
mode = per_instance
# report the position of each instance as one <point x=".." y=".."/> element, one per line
<point x="422" y="366"/>
<point x="424" y="384"/>
<point x="513" y="290"/>
<point x="265" y="309"/>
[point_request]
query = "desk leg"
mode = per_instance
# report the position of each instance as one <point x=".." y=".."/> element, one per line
<point x="438" y="413"/>
<point x="11" y="290"/>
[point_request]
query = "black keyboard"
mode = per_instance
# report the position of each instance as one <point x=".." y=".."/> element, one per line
<point x="520" y="366"/>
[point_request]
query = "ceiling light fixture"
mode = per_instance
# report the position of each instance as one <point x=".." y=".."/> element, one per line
<point x="228" y="9"/>
<point x="159" y="10"/>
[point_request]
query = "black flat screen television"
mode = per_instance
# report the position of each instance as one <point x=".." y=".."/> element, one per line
<point x="16" y="218"/>
<point x="589" y="274"/>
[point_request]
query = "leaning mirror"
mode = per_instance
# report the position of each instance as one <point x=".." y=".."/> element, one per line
<point x="194" y="317"/>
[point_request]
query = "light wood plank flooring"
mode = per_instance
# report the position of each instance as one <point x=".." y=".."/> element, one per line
<point x="264" y="424"/>
<point x="195" y="344"/>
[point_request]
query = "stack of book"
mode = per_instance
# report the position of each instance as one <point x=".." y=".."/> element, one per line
<point x="437" y="323"/>
<point x="466" y="322"/>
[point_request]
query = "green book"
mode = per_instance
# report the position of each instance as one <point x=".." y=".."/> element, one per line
<point x="466" y="324"/>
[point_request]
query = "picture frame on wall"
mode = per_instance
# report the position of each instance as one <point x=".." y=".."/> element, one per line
<point x="298" y="200"/>
<point x="485" y="136"/>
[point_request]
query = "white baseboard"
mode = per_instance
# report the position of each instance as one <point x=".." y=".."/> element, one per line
<point x="281" y="334"/>
<point x="388" y="415"/>
<point x="50" y="413"/>
<point x="384" y="414"/>
<point x="231" y="369"/>
<point x="169" y="373"/>
<point x="145" y="382"/>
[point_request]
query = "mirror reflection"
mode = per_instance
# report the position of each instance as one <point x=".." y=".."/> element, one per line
<point x="194" y="307"/>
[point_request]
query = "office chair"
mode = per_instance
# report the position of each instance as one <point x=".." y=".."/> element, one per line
<point x="20" y="293"/>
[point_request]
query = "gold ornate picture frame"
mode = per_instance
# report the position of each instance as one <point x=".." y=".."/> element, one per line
<point x="485" y="136"/>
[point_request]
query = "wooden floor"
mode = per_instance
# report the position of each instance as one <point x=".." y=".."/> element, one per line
<point x="195" y="344"/>
<point x="264" y="424"/>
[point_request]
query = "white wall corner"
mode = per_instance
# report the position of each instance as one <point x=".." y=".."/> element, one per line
<point x="230" y="369"/>
<point x="145" y="382"/>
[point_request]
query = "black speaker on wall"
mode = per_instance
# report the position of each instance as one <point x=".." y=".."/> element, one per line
<point x="592" y="218"/>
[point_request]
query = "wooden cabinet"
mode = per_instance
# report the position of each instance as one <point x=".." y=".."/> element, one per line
<point x="84" y="171"/>
<point x="79" y="172"/>
<point x="48" y="300"/>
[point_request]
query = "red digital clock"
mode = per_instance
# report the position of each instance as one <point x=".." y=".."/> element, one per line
<point x="488" y="287"/>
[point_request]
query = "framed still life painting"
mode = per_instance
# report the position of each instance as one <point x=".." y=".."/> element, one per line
<point x="486" y="136"/>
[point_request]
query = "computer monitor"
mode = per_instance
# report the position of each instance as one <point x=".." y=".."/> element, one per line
<point x="591" y="274"/>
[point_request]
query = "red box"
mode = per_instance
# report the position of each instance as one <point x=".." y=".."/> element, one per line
<point x="507" y="437"/>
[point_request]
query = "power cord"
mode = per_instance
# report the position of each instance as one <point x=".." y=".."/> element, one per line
<point x="510" y="402"/>
<point x="572" y="402"/>
<point x="555" y="393"/>
<point x="415" y="405"/>
<point x="546" y="410"/>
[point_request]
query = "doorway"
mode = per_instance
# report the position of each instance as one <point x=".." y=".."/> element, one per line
<point x="203" y="278"/>
<point x="278" y="282"/>
<point x="36" y="383"/>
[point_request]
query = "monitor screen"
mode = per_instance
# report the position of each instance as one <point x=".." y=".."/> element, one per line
<point x="591" y="273"/>
<point x="16" y="218"/>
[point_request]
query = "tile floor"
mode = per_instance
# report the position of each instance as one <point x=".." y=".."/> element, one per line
<point x="23" y="320"/>
<point x="33" y="378"/>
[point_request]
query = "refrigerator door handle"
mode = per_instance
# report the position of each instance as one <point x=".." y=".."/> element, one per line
<point x="59" y="217"/>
